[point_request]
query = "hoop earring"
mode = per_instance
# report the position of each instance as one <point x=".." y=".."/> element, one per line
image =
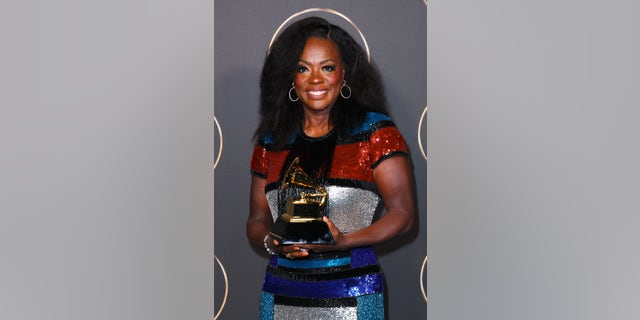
<point x="293" y="88"/>
<point x="344" y="85"/>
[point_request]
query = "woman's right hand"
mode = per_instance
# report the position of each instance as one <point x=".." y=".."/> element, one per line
<point x="291" y="251"/>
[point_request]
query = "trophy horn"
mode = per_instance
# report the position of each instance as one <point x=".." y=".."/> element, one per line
<point x="297" y="177"/>
<point x="302" y="221"/>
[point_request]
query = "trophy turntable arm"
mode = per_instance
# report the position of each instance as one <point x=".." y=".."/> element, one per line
<point x="320" y="198"/>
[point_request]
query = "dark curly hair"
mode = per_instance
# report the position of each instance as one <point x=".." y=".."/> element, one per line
<point x="281" y="118"/>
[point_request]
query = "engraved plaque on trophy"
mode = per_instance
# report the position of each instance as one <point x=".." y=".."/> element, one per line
<point x="302" y="221"/>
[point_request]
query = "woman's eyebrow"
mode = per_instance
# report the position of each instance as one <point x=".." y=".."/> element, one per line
<point x="321" y="62"/>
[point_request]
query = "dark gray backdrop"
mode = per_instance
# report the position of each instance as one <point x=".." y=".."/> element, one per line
<point x="396" y="35"/>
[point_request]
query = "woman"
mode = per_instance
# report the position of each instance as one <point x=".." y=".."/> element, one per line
<point x="322" y="102"/>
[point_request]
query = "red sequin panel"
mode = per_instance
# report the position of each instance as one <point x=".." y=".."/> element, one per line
<point x="386" y="141"/>
<point x="259" y="160"/>
<point x="269" y="163"/>
<point x="351" y="161"/>
<point x="276" y="161"/>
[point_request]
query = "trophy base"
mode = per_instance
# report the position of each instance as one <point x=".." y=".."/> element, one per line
<point x="301" y="230"/>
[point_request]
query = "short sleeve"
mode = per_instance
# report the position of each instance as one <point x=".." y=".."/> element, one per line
<point x="387" y="142"/>
<point x="259" y="162"/>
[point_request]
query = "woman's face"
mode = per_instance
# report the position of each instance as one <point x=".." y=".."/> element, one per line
<point x="319" y="75"/>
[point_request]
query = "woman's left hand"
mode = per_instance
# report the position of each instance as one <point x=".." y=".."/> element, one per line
<point x="338" y="238"/>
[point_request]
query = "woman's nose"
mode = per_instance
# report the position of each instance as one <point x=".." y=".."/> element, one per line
<point x="315" y="77"/>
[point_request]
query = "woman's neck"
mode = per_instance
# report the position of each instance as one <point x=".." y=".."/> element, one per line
<point x="315" y="127"/>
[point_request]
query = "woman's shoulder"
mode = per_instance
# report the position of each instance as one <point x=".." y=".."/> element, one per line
<point x="373" y="117"/>
<point x="372" y="122"/>
<point x="269" y="143"/>
<point x="265" y="141"/>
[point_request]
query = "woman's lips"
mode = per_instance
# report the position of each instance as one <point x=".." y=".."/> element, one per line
<point x="316" y="93"/>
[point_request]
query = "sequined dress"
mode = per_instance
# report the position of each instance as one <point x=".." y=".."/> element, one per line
<point x="331" y="285"/>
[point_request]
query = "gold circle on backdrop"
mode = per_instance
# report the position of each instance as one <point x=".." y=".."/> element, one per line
<point x="337" y="13"/>
<point x="424" y="155"/>
<point x="217" y="124"/>
<point x="422" y="286"/>
<point x="422" y="118"/>
<point x="226" y="288"/>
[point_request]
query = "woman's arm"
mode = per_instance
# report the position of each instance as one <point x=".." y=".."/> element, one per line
<point x="394" y="179"/>
<point x="260" y="220"/>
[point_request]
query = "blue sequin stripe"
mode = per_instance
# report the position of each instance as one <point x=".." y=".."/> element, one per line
<point x="266" y="306"/>
<point x="371" y="307"/>
<point x="307" y="264"/>
<point x="299" y="271"/>
<point x="350" y="287"/>
<point x="364" y="256"/>
<point x="370" y="119"/>
<point x="322" y="274"/>
<point x="358" y="257"/>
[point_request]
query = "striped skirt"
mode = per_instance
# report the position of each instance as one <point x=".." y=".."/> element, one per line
<point x="336" y="285"/>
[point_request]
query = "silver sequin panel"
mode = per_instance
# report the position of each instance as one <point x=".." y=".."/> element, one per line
<point x="282" y="312"/>
<point x="350" y="209"/>
<point x="272" y="198"/>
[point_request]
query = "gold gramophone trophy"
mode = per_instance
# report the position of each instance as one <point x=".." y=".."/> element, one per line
<point x="302" y="222"/>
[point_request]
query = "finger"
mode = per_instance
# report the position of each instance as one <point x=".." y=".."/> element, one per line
<point x="329" y="222"/>
<point x="314" y="248"/>
<point x="296" y="254"/>
<point x="299" y="254"/>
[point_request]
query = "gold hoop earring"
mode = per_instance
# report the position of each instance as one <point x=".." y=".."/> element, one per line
<point x="344" y="85"/>
<point x="293" y="88"/>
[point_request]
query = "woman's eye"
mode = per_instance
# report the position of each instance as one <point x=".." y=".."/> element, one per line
<point x="329" y="68"/>
<point x="301" y="69"/>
